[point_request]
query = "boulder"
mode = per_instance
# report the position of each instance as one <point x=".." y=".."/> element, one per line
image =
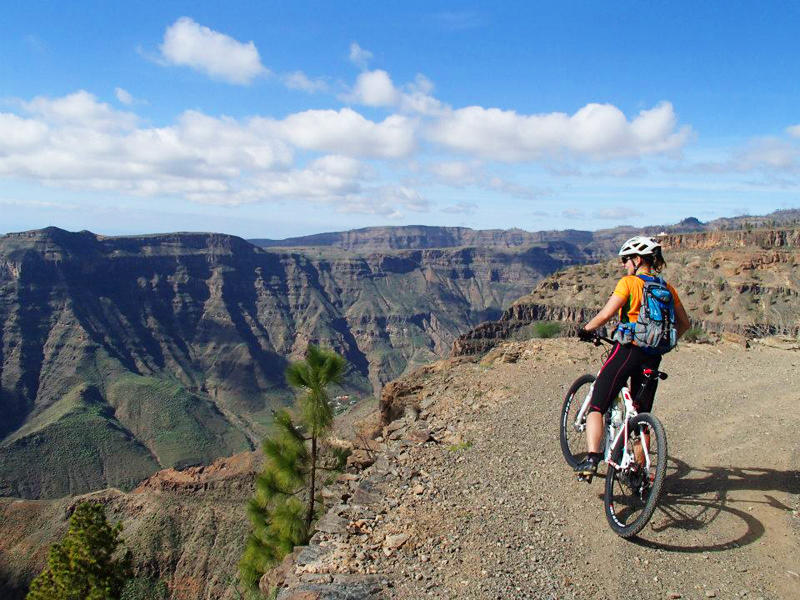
<point x="735" y="338"/>
<point x="360" y="459"/>
<point x="781" y="342"/>
<point x="276" y="576"/>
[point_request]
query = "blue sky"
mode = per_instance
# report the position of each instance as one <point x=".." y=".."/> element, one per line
<point x="272" y="120"/>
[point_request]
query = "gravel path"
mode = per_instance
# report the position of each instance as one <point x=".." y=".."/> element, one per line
<point x="494" y="512"/>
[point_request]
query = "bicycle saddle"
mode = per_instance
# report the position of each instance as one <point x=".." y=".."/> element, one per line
<point x="652" y="373"/>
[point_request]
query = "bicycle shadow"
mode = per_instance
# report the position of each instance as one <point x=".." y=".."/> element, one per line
<point x="692" y="503"/>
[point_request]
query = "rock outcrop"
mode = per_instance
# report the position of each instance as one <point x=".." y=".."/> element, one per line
<point x="184" y="528"/>
<point x="120" y="356"/>
<point x="741" y="282"/>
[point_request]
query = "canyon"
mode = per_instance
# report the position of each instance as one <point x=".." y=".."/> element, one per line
<point x="114" y="348"/>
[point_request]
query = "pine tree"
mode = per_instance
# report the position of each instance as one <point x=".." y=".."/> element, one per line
<point x="284" y="505"/>
<point x="82" y="566"/>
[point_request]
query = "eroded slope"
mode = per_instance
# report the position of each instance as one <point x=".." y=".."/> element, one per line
<point x="169" y="350"/>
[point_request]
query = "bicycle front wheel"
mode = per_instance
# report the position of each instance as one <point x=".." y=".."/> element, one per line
<point x="632" y="494"/>
<point x="573" y="434"/>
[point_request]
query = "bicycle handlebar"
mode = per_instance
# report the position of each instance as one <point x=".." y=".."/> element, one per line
<point x="599" y="338"/>
<point x="596" y="338"/>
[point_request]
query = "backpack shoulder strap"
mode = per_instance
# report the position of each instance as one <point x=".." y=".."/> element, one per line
<point x="651" y="279"/>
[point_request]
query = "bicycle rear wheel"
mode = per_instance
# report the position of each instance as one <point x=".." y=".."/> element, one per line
<point x="632" y="494"/>
<point x="573" y="440"/>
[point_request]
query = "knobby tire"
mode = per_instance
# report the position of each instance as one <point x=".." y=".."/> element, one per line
<point x="573" y="443"/>
<point x="614" y="479"/>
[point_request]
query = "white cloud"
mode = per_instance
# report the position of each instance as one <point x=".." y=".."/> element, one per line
<point x="472" y="174"/>
<point x="330" y="179"/>
<point x="126" y="98"/>
<point x="632" y="172"/>
<point x="793" y="130"/>
<point x="81" y="150"/>
<point x="19" y="134"/>
<point x="421" y="85"/>
<point x="219" y="56"/>
<point x="461" y="208"/>
<point x="347" y="132"/>
<point x="600" y="131"/>
<point x="374" y="88"/>
<point x="768" y="153"/>
<point x="300" y="81"/>
<point x="342" y="166"/>
<point x="80" y="109"/>
<point x="77" y="143"/>
<point x="417" y="98"/>
<point x="359" y="57"/>
<point x="39" y="204"/>
<point x="123" y="96"/>
<point x="616" y="213"/>
<point x="572" y="213"/>
<point x="516" y="190"/>
<point x="391" y="201"/>
<point x="457" y="173"/>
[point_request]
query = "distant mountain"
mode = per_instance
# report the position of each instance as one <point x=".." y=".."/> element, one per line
<point x="598" y="244"/>
<point x="124" y="355"/>
<point x="120" y="356"/>
<point x="736" y="281"/>
<point x="381" y="239"/>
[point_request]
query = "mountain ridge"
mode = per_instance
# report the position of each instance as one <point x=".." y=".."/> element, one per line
<point x="190" y="324"/>
<point x="405" y="236"/>
<point x="199" y="327"/>
<point x="745" y="282"/>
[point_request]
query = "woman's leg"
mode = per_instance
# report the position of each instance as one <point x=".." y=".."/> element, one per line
<point x="610" y="380"/>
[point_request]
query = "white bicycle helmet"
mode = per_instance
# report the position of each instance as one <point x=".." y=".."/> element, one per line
<point x="643" y="246"/>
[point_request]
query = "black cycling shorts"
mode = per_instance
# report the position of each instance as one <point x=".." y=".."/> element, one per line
<point x="625" y="362"/>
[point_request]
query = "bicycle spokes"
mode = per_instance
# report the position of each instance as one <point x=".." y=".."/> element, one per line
<point x="633" y="484"/>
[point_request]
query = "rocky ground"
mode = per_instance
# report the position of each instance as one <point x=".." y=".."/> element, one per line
<point x="471" y="497"/>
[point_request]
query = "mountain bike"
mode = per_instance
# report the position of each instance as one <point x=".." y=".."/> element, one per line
<point x="634" y="448"/>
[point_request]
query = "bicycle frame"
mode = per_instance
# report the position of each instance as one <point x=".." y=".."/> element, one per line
<point x="630" y="412"/>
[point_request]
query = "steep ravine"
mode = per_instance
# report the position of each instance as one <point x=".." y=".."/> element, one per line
<point x="470" y="497"/>
<point x="123" y="346"/>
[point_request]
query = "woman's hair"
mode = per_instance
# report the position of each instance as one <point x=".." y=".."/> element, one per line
<point x="655" y="260"/>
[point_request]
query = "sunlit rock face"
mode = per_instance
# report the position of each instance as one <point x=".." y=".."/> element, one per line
<point x="124" y="355"/>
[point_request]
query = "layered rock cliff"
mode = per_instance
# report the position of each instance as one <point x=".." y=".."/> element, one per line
<point x="382" y="239"/>
<point x="744" y="282"/>
<point x="185" y="529"/>
<point x="120" y="356"/>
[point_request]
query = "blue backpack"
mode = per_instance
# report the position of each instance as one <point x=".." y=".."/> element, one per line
<point x="654" y="331"/>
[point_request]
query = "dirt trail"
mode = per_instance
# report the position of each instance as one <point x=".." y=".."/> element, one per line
<point x="505" y="518"/>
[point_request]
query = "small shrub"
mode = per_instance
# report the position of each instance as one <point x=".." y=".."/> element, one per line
<point x="546" y="329"/>
<point x="693" y="334"/>
<point x="460" y="447"/>
<point x="141" y="588"/>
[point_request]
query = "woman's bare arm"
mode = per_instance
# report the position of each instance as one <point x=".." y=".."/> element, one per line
<point x="681" y="320"/>
<point x="609" y="310"/>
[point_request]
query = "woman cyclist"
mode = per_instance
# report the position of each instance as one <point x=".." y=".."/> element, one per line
<point x="640" y="256"/>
